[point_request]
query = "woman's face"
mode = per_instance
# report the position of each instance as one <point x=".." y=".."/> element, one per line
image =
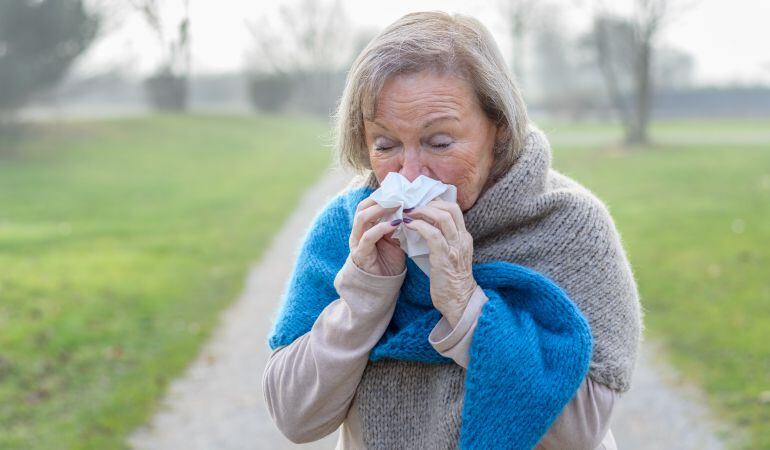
<point x="432" y="124"/>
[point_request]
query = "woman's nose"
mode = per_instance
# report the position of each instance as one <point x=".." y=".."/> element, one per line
<point x="412" y="165"/>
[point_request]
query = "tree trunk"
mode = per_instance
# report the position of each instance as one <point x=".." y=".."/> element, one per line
<point x="518" y="51"/>
<point x="167" y="92"/>
<point x="637" y="133"/>
<point x="604" y="53"/>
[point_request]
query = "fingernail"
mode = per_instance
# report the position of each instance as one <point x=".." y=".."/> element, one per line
<point x="408" y="210"/>
<point x="398" y="221"/>
<point x="407" y="220"/>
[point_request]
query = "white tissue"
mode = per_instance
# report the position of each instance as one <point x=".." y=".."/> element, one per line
<point x="396" y="190"/>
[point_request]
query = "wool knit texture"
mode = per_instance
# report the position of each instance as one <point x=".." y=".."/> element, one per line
<point x="561" y="297"/>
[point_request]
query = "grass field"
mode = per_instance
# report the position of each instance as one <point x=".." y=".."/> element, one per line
<point x="120" y="241"/>
<point x="695" y="220"/>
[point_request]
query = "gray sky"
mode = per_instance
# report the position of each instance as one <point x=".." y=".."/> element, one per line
<point x="728" y="39"/>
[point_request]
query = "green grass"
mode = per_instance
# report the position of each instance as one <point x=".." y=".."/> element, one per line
<point x="695" y="220"/>
<point x="751" y="132"/>
<point x="120" y="241"/>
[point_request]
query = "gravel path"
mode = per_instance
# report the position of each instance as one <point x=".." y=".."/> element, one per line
<point x="662" y="411"/>
<point x="218" y="403"/>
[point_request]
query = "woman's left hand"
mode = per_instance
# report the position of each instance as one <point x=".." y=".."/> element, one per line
<point x="442" y="225"/>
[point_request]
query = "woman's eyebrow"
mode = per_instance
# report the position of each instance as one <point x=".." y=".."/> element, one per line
<point x="427" y="124"/>
<point x="380" y="125"/>
<point x="433" y="121"/>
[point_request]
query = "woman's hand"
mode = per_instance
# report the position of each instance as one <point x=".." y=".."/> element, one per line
<point x="372" y="247"/>
<point x="441" y="223"/>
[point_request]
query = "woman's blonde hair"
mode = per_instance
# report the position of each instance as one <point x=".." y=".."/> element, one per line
<point x="439" y="41"/>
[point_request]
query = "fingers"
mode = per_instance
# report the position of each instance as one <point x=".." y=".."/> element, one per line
<point x="367" y="217"/>
<point x="374" y="234"/>
<point x="365" y="203"/>
<point x="440" y="217"/>
<point x="437" y="244"/>
<point x="453" y="209"/>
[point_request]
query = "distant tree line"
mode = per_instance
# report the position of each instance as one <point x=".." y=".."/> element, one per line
<point x="299" y="56"/>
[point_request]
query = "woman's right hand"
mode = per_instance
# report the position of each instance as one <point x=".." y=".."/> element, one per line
<point x="372" y="247"/>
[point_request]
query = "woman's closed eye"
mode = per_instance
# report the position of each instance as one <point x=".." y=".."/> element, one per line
<point x="383" y="145"/>
<point x="440" y="142"/>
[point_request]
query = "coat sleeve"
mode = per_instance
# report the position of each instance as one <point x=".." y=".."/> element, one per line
<point x="585" y="421"/>
<point x="582" y="424"/>
<point x="309" y="384"/>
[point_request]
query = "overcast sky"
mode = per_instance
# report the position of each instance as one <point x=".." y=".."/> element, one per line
<point x="729" y="39"/>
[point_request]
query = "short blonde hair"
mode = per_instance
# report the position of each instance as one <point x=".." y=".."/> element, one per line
<point x="432" y="40"/>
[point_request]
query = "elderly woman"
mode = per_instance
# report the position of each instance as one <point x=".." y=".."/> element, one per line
<point x="525" y="331"/>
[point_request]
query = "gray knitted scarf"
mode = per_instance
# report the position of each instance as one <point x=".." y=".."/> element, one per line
<point x="541" y="219"/>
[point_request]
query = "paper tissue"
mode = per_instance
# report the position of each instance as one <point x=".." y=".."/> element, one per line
<point x="396" y="190"/>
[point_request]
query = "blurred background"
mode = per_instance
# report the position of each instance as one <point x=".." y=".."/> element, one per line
<point x="151" y="149"/>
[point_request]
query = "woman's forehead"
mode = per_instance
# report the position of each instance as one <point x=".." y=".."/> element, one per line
<point x="424" y="96"/>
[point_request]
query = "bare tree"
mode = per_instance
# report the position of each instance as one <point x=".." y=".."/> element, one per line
<point x="630" y="43"/>
<point x="614" y="42"/>
<point x="304" y="51"/>
<point x="566" y="85"/>
<point x="519" y="15"/>
<point x="167" y="87"/>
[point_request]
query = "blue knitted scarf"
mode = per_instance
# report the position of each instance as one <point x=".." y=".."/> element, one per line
<point x="529" y="354"/>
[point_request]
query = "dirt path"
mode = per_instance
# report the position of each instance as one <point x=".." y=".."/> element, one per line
<point x="218" y="403"/>
<point x="662" y="411"/>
